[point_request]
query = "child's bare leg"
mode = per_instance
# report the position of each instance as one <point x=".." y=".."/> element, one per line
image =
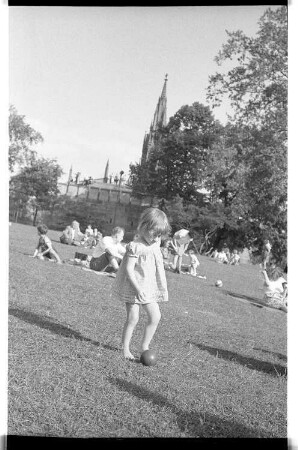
<point x="179" y="263"/>
<point x="153" y="318"/>
<point x="132" y="311"/>
<point x="56" y="256"/>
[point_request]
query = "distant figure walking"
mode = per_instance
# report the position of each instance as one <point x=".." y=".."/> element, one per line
<point x="180" y="243"/>
<point x="266" y="254"/>
<point x="194" y="263"/>
<point x="44" y="246"/>
<point x="141" y="279"/>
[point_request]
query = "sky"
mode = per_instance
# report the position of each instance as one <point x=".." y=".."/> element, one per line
<point x="88" y="79"/>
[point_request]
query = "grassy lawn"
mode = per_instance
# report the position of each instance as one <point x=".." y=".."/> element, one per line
<point x="221" y="368"/>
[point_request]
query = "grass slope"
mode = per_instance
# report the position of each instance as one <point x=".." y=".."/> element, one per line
<point x="221" y="368"/>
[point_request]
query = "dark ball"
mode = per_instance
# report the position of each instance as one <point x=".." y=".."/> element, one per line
<point x="148" y="358"/>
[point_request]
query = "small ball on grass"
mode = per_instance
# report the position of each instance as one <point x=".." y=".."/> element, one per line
<point x="148" y="358"/>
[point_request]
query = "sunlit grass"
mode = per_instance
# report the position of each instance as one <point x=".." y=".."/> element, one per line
<point x="221" y="368"/>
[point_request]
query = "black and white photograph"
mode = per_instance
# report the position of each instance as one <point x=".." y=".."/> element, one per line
<point x="147" y="196"/>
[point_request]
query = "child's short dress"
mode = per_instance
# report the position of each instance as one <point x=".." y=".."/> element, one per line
<point x="149" y="272"/>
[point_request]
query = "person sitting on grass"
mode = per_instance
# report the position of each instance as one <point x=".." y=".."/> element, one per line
<point x="78" y="236"/>
<point x="44" y="247"/>
<point x="96" y="238"/>
<point x="108" y="252"/>
<point x="141" y="279"/>
<point x="67" y="235"/>
<point x="276" y="288"/>
<point x="88" y="236"/>
<point x="235" y="258"/>
<point x="221" y="257"/>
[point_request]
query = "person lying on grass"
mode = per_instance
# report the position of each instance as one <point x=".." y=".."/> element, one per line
<point x="141" y="280"/>
<point x="44" y="246"/>
<point x="276" y="288"/>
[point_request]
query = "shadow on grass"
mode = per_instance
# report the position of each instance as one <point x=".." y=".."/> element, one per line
<point x="275" y="370"/>
<point x="190" y="422"/>
<point x="54" y="327"/>
<point x="245" y="297"/>
<point x="279" y="355"/>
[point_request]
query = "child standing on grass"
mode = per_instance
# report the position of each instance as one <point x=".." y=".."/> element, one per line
<point x="44" y="246"/>
<point x="141" y="279"/>
<point x="194" y="263"/>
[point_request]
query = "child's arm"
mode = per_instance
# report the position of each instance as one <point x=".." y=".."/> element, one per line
<point x="267" y="281"/>
<point x="114" y="253"/>
<point x="173" y="243"/>
<point x="131" y="262"/>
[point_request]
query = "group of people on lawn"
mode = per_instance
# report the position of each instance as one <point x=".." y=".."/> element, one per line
<point x="108" y="253"/>
<point x="224" y="256"/>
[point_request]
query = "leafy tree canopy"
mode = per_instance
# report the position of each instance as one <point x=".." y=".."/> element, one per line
<point x="257" y="84"/>
<point x="37" y="182"/>
<point x="22" y="138"/>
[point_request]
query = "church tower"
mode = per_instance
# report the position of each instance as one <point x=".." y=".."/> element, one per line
<point x="159" y="120"/>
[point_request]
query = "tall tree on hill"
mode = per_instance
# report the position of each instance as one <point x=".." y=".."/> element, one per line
<point x="257" y="89"/>
<point x="22" y="138"/>
<point x="36" y="183"/>
<point x="178" y="161"/>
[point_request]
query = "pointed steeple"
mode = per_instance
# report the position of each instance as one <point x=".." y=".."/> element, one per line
<point x="106" y="175"/>
<point x="164" y="89"/>
<point x="70" y="174"/>
<point x="159" y="121"/>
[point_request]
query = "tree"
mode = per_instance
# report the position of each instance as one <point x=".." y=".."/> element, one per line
<point x="257" y="84"/>
<point x="257" y="89"/>
<point x="36" y="183"/>
<point x="22" y="137"/>
<point x="179" y="158"/>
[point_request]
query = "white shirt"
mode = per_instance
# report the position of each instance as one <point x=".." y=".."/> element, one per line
<point x="222" y="257"/>
<point x="275" y="287"/>
<point x="107" y="243"/>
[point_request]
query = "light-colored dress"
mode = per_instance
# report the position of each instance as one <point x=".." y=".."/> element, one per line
<point x="149" y="272"/>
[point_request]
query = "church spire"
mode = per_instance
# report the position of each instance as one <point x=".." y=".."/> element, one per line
<point x="164" y="89"/>
<point x="159" y="121"/>
<point x="106" y="175"/>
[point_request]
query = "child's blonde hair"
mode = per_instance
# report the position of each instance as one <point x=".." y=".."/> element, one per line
<point x="154" y="221"/>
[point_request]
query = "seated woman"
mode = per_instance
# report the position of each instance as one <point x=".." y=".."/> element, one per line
<point x="67" y="235"/>
<point x="78" y="236"/>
